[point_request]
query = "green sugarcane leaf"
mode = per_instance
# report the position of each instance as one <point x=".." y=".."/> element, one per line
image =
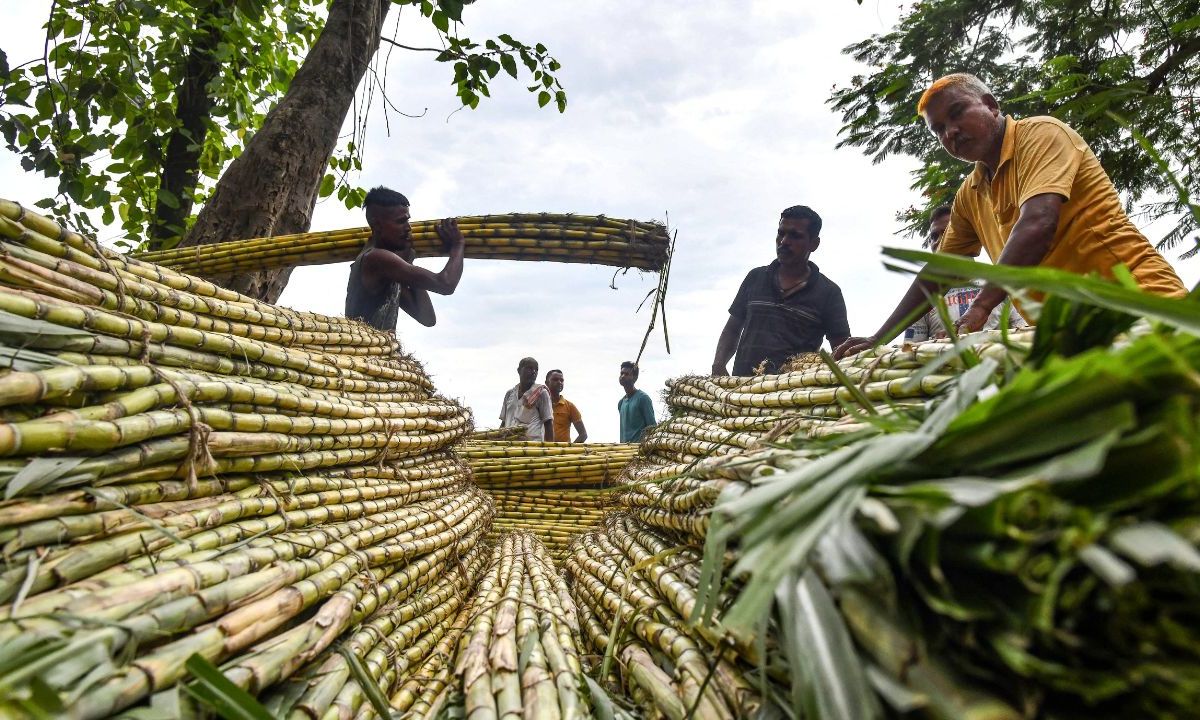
<point x="826" y="479"/>
<point x="846" y="557"/>
<point x="213" y="689"/>
<point x="898" y="696"/>
<point x="1013" y="416"/>
<point x="39" y="472"/>
<point x="965" y="492"/>
<point x="1152" y="543"/>
<point x="31" y="572"/>
<point x="44" y="697"/>
<point x="23" y="650"/>
<point x="602" y="705"/>
<point x="65" y="664"/>
<point x="1106" y="424"/>
<point x="23" y="360"/>
<point x="963" y="394"/>
<point x="932" y="367"/>
<point x="1066" y="328"/>
<point x="1080" y="463"/>
<point x="1110" y="568"/>
<point x="711" y="570"/>
<point x="803" y="700"/>
<point x="18" y="329"/>
<point x="527" y="647"/>
<point x="1180" y="314"/>
<point x="824" y="663"/>
<point x="103" y="669"/>
<point x="768" y="561"/>
<point x="369" y="687"/>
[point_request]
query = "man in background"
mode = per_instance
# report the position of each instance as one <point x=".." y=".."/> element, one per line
<point x="929" y="326"/>
<point x="528" y="404"/>
<point x="636" y="409"/>
<point x="565" y="412"/>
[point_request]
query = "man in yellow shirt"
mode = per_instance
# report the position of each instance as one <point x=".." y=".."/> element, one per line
<point x="1038" y="196"/>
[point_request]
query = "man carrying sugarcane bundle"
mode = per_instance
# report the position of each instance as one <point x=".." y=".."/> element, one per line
<point x="1038" y="196"/>
<point x="383" y="278"/>
<point x="785" y="308"/>
<point x="528" y="404"/>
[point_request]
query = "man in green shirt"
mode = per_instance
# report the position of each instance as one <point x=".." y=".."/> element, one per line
<point x="637" y="412"/>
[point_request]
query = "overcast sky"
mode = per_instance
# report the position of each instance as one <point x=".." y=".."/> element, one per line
<point x="711" y="112"/>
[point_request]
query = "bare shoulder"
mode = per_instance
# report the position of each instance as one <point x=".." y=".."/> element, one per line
<point x="378" y="256"/>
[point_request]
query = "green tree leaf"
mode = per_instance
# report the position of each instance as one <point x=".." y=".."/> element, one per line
<point x="1044" y="57"/>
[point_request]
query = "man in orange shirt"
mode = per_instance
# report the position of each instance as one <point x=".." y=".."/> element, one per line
<point x="565" y="412"/>
<point x="1038" y="196"/>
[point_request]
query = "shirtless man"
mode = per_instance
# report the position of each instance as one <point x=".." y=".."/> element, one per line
<point x="383" y="278"/>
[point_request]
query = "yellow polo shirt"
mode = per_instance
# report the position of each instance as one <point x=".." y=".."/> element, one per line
<point x="1043" y="155"/>
<point x="565" y="413"/>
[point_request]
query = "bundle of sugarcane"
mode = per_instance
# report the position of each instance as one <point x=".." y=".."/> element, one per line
<point x="554" y="490"/>
<point x="192" y="472"/>
<point x="1044" y="540"/>
<point x="714" y="416"/>
<point x="396" y="659"/>
<point x="518" y="652"/>
<point x="512" y="464"/>
<point x="555" y="516"/>
<point x="512" y="432"/>
<point x="596" y="240"/>
<point x="636" y="591"/>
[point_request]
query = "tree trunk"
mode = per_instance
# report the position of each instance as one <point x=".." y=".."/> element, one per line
<point x="193" y="108"/>
<point x="271" y="188"/>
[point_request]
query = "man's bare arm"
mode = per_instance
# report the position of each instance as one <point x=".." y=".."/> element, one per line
<point x="392" y="268"/>
<point x="548" y="431"/>
<point x="581" y="430"/>
<point x="1028" y="244"/>
<point x="727" y="345"/>
<point x="418" y="304"/>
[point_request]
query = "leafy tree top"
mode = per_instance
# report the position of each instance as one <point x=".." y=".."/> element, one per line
<point x="105" y="109"/>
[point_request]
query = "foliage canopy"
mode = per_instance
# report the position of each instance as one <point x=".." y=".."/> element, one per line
<point x="136" y="107"/>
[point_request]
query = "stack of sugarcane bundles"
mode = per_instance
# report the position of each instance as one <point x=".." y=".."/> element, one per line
<point x="596" y="240"/>
<point x="190" y="472"/>
<point x="518" y="649"/>
<point x="1027" y="552"/>
<point x="554" y="490"/>
<point x="713" y="416"/>
<point x="398" y="659"/>
<point x="635" y="590"/>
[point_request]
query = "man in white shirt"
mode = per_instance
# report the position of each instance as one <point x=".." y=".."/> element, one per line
<point x="528" y="404"/>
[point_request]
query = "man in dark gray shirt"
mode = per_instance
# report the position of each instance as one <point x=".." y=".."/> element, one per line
<point x="785" y="308"/>
<point x="383" y="278"/>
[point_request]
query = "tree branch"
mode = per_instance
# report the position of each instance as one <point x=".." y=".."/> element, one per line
<point x="1158" y="76"/>
<point x="410" y="47"/>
